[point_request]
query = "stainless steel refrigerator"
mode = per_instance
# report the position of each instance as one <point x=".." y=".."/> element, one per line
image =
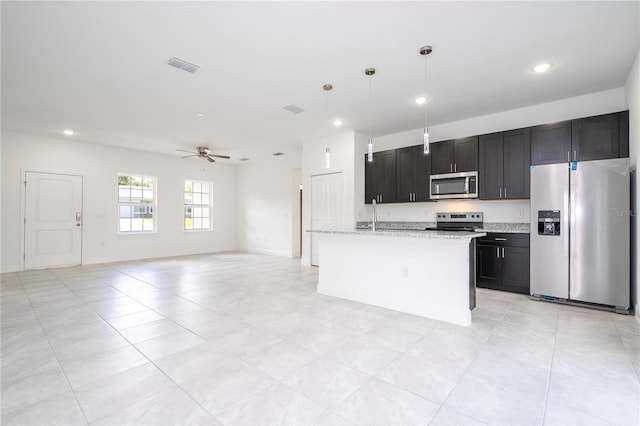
<point x="580" y="232"/>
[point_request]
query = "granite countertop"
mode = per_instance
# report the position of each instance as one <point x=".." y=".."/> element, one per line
<point x="516" y="228"/>
<point x="410" y="233"/>
<point x="520" y="228"/>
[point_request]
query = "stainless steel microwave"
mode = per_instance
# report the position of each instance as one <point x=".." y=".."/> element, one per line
<point x="453" y="185"/>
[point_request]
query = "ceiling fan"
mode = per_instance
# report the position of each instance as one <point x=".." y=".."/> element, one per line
<point x="203" y="152"/>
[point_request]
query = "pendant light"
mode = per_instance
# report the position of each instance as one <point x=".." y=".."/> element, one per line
<point x="327" y="153"/>
<point x="424" y="51"/>
<point x="370" y="72"/>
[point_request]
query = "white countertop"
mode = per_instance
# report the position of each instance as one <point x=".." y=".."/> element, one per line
<point x="449" y="235"/>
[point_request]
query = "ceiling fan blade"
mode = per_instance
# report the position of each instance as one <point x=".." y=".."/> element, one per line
<point x="211" y="160"/>
<point x="226" y="157"/>
<point x="192" y="155"/>
<point x="182" y="150"/>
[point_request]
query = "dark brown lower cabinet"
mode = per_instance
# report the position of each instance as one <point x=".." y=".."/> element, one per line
<point x="502" y="262"/>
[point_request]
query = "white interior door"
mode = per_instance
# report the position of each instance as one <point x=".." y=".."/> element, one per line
<point x="326" y="207"/>
<point x="53" y="220"/>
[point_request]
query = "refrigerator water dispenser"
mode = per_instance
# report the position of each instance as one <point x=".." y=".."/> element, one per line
<point x="548" y="222"/>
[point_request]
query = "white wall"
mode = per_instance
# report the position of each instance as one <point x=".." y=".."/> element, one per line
<point x="632" y="91"/>
<point x="267" y="205"/>
<point x="495" y="211"/>
<point x="342" y="148"/>
<point x="100" y="165"/>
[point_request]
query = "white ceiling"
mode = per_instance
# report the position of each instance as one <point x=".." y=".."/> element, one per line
<point x="100" y="67"/>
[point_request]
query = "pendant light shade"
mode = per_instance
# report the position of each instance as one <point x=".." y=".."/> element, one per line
<point x="370" y="72"/>
<point x="327" y="152"/>
<point x="425" y="140"/>
<point x="424" y="51"/>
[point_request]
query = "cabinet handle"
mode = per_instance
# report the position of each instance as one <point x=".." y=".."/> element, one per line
<point x="455" y="167"/>
<point x="451" y="167"/>
<point x="505" y="193"/>
<point x="381" y="198"/>
<point x="503" y="252"/>
<point x="500" y="239"/>
<point x="500" y="193"/>
<point x="575" y="155"/>
<point x="568" y="156"/>
<point x="498" y="252"/>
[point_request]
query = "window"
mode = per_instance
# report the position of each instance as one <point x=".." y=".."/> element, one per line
<point x="197" y="205"/>
<point x="136" y="203"/>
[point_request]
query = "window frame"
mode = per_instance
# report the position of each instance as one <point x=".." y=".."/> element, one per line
<point x="186" y="205"/>
<point x="153" y="204"/>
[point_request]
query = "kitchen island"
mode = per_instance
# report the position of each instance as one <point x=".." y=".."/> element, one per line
<point x="426" y="273"/>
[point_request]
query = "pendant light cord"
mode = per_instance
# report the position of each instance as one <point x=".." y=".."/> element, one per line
<point x="370" y="107"/>
<point x="426" y="101"/>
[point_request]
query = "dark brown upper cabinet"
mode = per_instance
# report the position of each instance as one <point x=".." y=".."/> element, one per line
<point x="412" y="175"/>
<point x="583" y="139"/>
<point x="380" y="177"/>
<point x="456" y="155"/>
<point x="551" y="143"/>
<point x="595" y="138"/>
<point x="504" y="161"/>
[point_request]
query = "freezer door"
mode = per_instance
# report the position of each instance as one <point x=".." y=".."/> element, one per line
<point x="600" y="228"/>
<point x="550" y="253"/>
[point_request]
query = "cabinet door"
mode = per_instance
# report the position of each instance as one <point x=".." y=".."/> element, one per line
<point x="595" y="138"/>
<point x="551" y="143"/>
<point x="517" y="162"/>
<point x="488" y="266"/>
<point x="384" y="175"/>
<point x="490" y="166"/>
<point x="623" y="122"/>
<point x="407" y="173"/>
<point x="442" y="157"/>
<point x="515" y="269"/>
<point x="466" y="154"/>
<point x="424" y="171"/>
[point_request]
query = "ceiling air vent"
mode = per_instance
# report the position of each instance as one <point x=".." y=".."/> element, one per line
<point x="294" y="109"/>
<point x="243" y="159"/>
<point x="183" y="65"/>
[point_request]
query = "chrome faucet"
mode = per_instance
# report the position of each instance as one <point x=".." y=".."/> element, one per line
<point x="374" y="217"/>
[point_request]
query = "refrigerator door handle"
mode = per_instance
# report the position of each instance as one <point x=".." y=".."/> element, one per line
<point x="572" y="222"/>
<point x="565" y="221"/>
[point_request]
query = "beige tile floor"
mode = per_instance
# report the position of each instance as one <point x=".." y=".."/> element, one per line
<point x="237" y="338"/>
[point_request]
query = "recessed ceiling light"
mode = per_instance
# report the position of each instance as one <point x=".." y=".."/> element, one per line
<point x="68" y="132"/>
<point x="200" y="114"/>
<point x="421" y="100"/>
<point x="542" y="67"/>
<point x="337" y="123"/>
